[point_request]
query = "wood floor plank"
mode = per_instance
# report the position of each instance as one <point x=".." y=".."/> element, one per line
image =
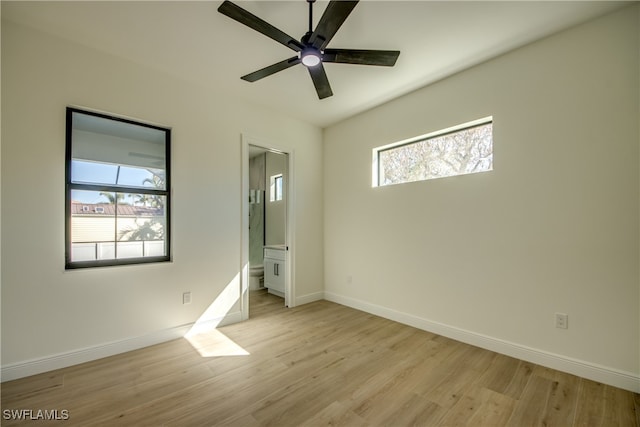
<point x="335" y="414"/>
<point x="536" y="394"/>
<point x="376" y="398"/>
<point x="495" y="409"/>
<point x="122" y="399"/>
<point x="416" y="410"/>
<point x="453" y="375"/>
<point x="35" y="386"/>
<point x="602" y="405"/>
<point x="300" y="400"/>
<point x="500" y="374"/>
<point x="519" y="380"/>
<point x="313" y="365"/>
<point x="480" y="406"/>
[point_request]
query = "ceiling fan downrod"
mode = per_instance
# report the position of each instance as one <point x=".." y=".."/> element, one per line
<point x="310" y="56"/>
<point x="311" y="2"/>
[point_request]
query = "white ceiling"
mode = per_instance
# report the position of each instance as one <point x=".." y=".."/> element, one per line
<point x="192" y="40"/>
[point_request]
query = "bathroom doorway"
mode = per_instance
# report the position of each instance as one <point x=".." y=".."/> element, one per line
<point x="266" y="225"/>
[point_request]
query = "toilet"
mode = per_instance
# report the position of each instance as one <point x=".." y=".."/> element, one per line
<point x="256" y="277"/>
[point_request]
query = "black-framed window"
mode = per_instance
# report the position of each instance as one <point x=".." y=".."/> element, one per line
<point x="117" y="191"/>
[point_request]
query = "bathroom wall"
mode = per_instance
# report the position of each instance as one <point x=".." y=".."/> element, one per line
<point x="275" y="219"/>
<point x="256" y="208"/>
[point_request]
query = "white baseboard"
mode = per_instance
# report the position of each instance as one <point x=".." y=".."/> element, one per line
<point x="592" y="371"/>
<point x="205" y="325"/>
<point x="62" y="360"/>
<point x="306" y="299"/>
<point x="595" y="372"/>
<point x="276" y="293"/>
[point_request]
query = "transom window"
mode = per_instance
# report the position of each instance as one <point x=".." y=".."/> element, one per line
<point x="117" y="191"/>
<point x="463" y="149"/>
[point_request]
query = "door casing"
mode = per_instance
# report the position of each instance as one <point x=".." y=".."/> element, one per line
<point x="289" y="298"/>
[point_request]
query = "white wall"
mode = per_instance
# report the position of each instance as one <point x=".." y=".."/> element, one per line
<point x="49" y="314"/>
<point x="489" y="258"/>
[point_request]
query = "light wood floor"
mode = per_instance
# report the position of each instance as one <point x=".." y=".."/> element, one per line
<point x="318" y="364"/>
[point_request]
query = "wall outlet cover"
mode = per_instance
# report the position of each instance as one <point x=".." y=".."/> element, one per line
<point x="562" y="320"/>
<point x="186" y="298"/>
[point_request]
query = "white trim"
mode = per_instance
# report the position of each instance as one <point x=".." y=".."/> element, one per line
<point x="206" y="325"/>
<point x="306" y="299"/>
<point x="62" y="360"/>
<point x="595" y="372"/>
<point x="244" y="231"/>
<point x="604" y="374"/>
<point x="290" y="231"/>
<point x="289" y="294"/>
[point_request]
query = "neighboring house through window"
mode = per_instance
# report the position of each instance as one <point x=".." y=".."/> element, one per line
<point x="117" y="191"/>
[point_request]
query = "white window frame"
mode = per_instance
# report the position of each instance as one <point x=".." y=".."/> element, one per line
<point x="376" y="175"/>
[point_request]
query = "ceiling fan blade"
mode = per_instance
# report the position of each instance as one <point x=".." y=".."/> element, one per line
<point x="271" y="69"/>
<point x="334" y="15"/>
<point x="320" y="81"/>
<point x="250" y="20"/>
<point x="386" y="58"/>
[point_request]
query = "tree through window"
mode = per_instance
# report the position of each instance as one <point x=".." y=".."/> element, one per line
<point x="463" y="150"/>
<point x="117" y="198"/>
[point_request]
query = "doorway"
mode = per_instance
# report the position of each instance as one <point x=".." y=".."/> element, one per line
<point x="267" y="194"/>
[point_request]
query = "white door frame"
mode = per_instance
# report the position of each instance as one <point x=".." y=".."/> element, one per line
<point x="289" y="286"/>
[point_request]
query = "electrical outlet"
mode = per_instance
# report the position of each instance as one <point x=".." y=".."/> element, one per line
<point x="562" y="320"/>
<point x="349" y="280"/>
<point x="186" y="297"/>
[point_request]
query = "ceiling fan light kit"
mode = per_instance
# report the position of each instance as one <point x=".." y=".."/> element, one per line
<point x="310" y="57"/>
<point x="310" y="48"/>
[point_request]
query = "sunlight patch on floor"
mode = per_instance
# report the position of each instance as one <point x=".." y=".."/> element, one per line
<point x="215" y="344"/>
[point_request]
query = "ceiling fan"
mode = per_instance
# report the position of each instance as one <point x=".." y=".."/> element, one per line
<point x="311" y="48"/>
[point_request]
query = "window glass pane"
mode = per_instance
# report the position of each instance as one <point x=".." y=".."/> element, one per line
<point x="99" y="231"/>
<point x="93" y="225"/>
<point x="141" y="226"/>
<point x="144" y="220"/>
<point x="87" y="172"/>
<point x="275" y="188"/>
<point x="460" y="152"/>
<point x="141" y="177"/>
<point x="111" y="152"/>
<point x="279" y="188"/>
<point x="93" y="172"/>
